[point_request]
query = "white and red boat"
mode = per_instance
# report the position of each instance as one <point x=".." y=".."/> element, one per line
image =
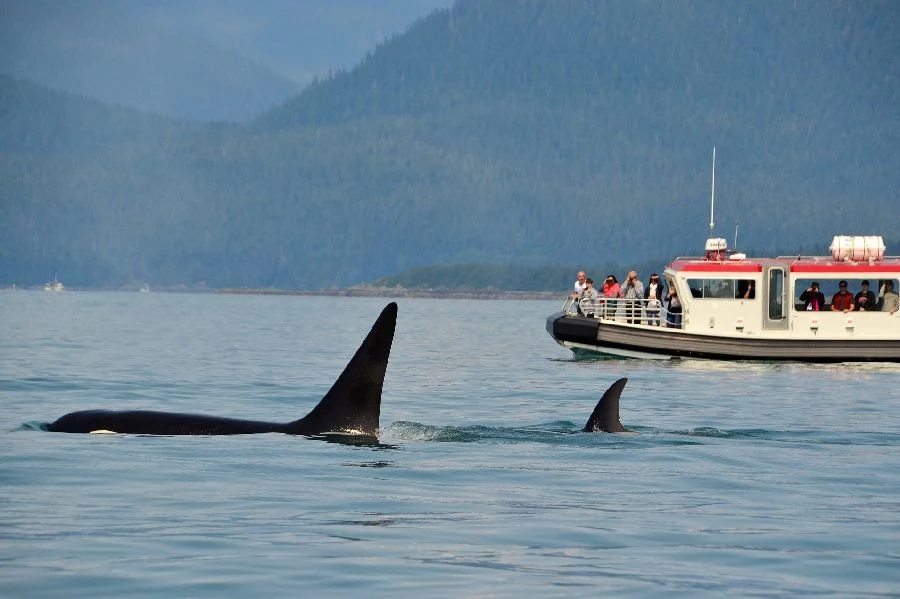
<point x="734" y="307"/>
<point x="721" y="320"/>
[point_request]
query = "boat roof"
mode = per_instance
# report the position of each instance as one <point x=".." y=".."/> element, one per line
<point x="795" y="264"/>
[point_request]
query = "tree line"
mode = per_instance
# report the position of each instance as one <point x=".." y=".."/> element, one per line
<point x="523" y="134"/>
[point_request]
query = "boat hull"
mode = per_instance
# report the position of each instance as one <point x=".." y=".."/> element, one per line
<point x="606" y="337"/>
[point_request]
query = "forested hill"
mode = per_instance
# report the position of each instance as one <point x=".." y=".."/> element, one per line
<point x="42" y="122"/>
<point x="532" y="133"/>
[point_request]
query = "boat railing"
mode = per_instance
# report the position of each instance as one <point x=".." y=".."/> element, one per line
<point x="646" y="312"/>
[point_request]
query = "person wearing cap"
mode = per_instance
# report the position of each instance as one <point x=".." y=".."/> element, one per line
<point x="842" y="301"/>
<point x="865" y="299"/>
<point x="813" y="299"/>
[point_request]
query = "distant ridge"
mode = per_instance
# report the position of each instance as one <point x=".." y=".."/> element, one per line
<point x="193" y="59"/>
<point x="118" y="53"/>
<point x="528" y="134"/>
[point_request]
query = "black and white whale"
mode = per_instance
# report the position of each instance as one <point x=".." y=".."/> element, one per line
<point x="605" y="417"/>
<point x="351" y="406"/>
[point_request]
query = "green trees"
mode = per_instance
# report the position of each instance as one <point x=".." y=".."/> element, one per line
<point x="522" y="134"/>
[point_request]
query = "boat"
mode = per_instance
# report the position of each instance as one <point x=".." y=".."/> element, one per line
<point x="735" y="307"/>
<point x="771" y="323"/>
<point x="54" y="285"/>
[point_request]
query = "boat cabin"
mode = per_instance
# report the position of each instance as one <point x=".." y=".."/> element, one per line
<point x="737" y="295"/>
<point x="736" y="307"/>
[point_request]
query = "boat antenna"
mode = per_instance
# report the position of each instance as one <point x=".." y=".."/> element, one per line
<point x="712" y="198"/>
<point x="737" y="226"/>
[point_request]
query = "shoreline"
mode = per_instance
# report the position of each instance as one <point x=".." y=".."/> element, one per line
<point x="399" y="292"/>
<point x="386" y="292"/>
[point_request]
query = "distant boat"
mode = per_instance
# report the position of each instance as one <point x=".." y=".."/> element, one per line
<point x="145" y="288"/>
<point x="54" y="285"/>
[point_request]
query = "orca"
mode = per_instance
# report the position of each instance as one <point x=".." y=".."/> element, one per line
<point x="352" y="405"/>
<point x="605" y="417"/>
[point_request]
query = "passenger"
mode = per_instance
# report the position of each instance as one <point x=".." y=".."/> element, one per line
<point x="611" y="294"/>
<point x="632" y="291"/>
<point x="747" y="290"/>
<point x="589" y="298"/>
<point x="578" y="289"/>
<point x="842" y="301"/>
<point x="813" y="299"/>
<point x="654" y="294"/>
<point x="673" y="314"/>
<point x="865" y="299"/>
<point x="890" y="301"/>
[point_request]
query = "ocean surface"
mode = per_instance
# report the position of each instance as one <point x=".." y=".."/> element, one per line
<point x="745" y="480"/>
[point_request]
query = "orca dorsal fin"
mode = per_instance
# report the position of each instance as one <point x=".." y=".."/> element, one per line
<point x="605" y="417"/>
<point x="353" y="404"/>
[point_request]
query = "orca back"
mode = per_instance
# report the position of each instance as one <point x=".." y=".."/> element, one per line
<point x="352" y="405"/>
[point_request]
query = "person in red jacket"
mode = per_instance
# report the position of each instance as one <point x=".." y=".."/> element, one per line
<point x="842" y="301"/>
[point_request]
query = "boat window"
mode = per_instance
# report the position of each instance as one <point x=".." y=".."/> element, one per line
<point x="829" y="287"/>
<point x="745" y="289"/>
<point x="776" y="293"/>
<point x="722" y="288"/>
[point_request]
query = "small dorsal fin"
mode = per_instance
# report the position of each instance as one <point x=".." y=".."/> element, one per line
<point x="605" y="417"/>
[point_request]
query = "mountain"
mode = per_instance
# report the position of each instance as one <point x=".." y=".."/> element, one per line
<point x="529" y="133"/>
<point x="299" y="39"/>
<point x="193" y="59"/>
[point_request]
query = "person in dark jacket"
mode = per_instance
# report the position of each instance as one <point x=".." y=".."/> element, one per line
<point x="865" y="299"/>
<point x="813" y="299"/>
<point x="673" y="315"/>
<point x="654" y="294"/>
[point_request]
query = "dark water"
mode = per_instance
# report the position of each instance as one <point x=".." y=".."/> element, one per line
<point x="748" y="480"/>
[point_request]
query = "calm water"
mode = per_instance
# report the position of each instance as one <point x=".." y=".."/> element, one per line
<point x="746" y="480"/>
